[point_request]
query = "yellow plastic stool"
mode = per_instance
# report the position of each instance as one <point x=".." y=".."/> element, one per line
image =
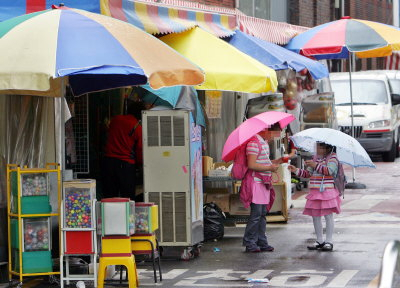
<point x="127" y="261"/>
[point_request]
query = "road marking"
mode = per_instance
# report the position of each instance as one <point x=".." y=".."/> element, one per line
<point x="297" y="280"/>
<point x="174" y="273"/>
<point x="141" y="272"/>
<point x="192" y="283"/>
<point x="343" y="278"/>
<point x="361" y="204"/>
<point x="373" y="217"/>
<point x="222" y="274"/>
<point x="232" y="278"/>
<point x="259" y="274"/>
<point x="377" y="197"/>
<point x="307" y="272"/>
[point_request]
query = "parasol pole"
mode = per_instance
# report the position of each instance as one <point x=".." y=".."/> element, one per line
<point x="352" y="185"/>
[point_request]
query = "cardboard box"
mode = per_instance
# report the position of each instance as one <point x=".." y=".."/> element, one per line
<point x="215" y="172"/>
<point x="219" y="196"/>
<point x="236" y="206"/>
<point x="208" y="163"/>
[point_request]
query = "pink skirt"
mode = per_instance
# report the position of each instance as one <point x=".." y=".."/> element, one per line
<point x="322" y="203"/>
<point x="261" y="195"/>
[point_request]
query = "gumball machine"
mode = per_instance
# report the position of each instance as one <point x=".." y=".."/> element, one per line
<point x="144" y="239"/>
<point x="78" y="225"/>
<point x="33" y="197"/>
<point x="117" y="224"/>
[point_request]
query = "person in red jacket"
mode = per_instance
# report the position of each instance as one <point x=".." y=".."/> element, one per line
<point x="123" y="153"/>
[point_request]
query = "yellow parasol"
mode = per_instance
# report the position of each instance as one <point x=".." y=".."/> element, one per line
<point x="226" y="68"/>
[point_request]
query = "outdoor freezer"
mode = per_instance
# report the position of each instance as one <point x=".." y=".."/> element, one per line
<point x="172" y="152"/>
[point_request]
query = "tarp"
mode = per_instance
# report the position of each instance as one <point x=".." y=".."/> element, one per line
<point x="156" y="19"/>
<point x="177" y="97"/>
<point x="276" y="57"/>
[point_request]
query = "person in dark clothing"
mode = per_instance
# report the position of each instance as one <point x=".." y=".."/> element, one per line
<point x="123" y="153"/>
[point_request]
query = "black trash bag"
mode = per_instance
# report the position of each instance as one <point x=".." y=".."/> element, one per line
<point x="213" y="222"/>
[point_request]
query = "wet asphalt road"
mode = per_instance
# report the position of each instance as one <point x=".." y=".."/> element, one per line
<point x="370" y="219"/>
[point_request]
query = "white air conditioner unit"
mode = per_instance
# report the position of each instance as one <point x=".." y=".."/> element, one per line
<point x="172" y="153"/>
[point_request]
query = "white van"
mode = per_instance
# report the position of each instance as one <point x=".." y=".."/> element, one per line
<point x="376" y="109"/>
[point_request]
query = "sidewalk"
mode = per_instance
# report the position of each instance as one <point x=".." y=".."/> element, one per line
<point x="370" y="218"/>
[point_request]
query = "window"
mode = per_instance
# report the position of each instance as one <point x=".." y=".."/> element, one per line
<point x="256" y="8"/>
<point x="365" y="92"/>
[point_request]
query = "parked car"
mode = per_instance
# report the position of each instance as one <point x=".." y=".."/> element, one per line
<point x="376" y="110"/>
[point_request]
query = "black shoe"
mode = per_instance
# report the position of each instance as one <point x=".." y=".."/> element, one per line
<point x="327" y="247"/>
<point x="268" y="248"/>
<point x="253" y="250"/>
<point x="316" y="246"/>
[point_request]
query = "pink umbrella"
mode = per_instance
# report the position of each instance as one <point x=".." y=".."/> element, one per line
<point x="242" y="134"/>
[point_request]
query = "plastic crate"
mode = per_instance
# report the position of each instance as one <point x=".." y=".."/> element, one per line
<point x="146" y="218"/>
<point x="79" y="242"/>
<point x="78" y="199"/>
<point x="33" y="262"/>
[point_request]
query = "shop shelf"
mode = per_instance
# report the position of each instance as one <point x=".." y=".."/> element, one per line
<point x="318" y="108"/>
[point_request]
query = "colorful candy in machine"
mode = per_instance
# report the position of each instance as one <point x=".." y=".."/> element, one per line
<point x="78" y="214"/>
<point x="35" y="184"/>
<point x="34" y="192"/>
<point x="78" y="208"/>
<point x="36" y="234"/>
<point x="146" y="218"/>
<point x="144" y="239"/>
<point x="30" y="211"/>
<point x="79" y="226"/>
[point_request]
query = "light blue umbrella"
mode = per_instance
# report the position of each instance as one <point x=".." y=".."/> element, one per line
<point x="276" y="57"/>
<point x="349" y="151"/>
<point x="177" y="97"/>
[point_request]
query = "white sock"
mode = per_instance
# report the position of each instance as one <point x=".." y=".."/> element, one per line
<point x="318" y="228"/>
<point x="330" y="224"/>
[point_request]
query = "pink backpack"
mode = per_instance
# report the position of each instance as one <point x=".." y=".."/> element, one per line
<point x="239" y="168"/>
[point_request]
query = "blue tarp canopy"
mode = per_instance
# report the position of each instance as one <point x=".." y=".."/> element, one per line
<point x="275" y="56"/>
<point x="177" y="97"/>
